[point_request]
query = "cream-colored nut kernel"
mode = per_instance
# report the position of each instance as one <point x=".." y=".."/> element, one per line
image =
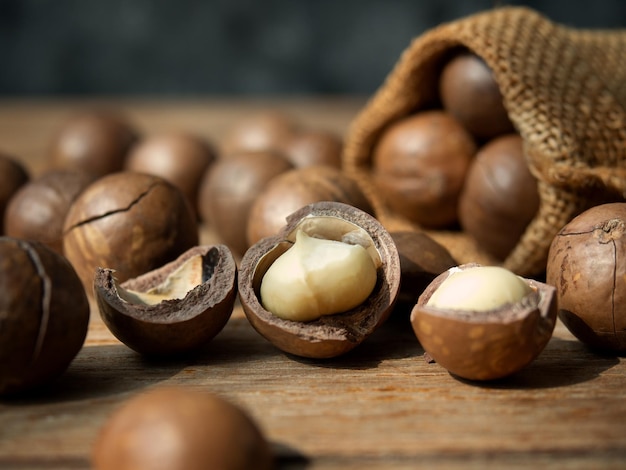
<point x="480" y="288"/>
<point x="317" y="277"/>
<point x="175" y="286"/>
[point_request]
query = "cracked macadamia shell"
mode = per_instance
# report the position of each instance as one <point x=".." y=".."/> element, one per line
<point x="44" y="315"/>
<point x="173" y="326"/>
<point x="178" y="428"/>
<point x="130" y="222"/>
<point x="330" y="335"/>
<point x="486" y="345"/>
<point x="587" y="265"/>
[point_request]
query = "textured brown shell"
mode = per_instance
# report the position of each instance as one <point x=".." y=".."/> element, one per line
<point x="587" y="265"/>
<point x="44" y="315"/>
<point x="331" y="335"/>
<point x="172" y="326"/>
<point x="486" y="345"/>
<point x="565" y="92"/>
<point x="130" y="222"/>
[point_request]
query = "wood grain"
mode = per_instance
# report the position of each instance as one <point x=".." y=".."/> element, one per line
<point x="380" y="406"/>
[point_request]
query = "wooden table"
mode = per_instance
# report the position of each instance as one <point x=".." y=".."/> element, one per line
<point x="380" y="406"/>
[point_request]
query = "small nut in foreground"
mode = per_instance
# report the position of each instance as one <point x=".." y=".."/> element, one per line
<point x="318" y="277"/>
<point x="487" y="339"/>
<point x="175" y="428"/>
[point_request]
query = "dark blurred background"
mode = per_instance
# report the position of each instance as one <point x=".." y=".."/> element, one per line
<point x="191" y="47"/>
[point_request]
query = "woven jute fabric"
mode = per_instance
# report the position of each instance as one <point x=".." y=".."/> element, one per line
<point x="564" y="90"/>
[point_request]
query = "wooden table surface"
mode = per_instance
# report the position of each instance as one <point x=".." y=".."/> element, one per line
<point x="380" y="406"/>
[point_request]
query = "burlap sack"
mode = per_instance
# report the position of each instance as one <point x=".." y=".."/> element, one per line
<point x="565" y="92"/>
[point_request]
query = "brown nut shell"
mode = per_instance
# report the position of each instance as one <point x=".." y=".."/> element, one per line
<point x="228" y="191"/>
<point x="173" y="326"/>
<point x="422" y="259"/>
<point x="470" y="93"/>
<point x="312" y="147"/>
<point x="420" y="164"/>
<point x="587" y="265"/>
<point x="181" y="158"/>
<point x="177" y="428"/>
<point x="330" y="335"/>
<point x="490" y="344"/>
<point x="266" y="130"/>
<point x="500" y="196"/>
<point x="13" y="175"/>
<point x="38" y="209"/>
<point x="93" y="140"/>
<point x="130" y="222"/>
<point x="44" y="314"/>
<point x="297" y="188"/>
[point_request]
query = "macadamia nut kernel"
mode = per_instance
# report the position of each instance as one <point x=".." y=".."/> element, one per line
<point x="480" y="288"/>
<point x="318" y="277"/>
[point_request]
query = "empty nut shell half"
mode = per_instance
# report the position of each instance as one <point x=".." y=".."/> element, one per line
<point x="489" y="344"/>
<point x="175" y="324"/>
<point x="331" y="335"/>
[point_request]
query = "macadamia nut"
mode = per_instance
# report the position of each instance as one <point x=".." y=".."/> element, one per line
<point x="480" y="288"/>
<point x="318" y="277"/>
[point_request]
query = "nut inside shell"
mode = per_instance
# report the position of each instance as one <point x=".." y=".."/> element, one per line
<point x="176" y="324"/>
<point x="490" y="344"/>
<point x="332" y="335"/>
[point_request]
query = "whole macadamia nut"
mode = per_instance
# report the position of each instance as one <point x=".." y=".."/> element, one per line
<point x="13" y="175"/>
<point x="470" y="93"/>
<point x="311" y="147"/>
<point x="297" y="188"/>
<point x="266" y="130"/>
<point x="44" y="314"/>
<point x="177" y="428"/>
<point x="130" y="222"/>
<point x="178" y="157"/>
<point x="500" y="196"/>
<point x="38" y="209"/>
<point x="229" y="189"/>
<point x="419" y="167"/>
<point x="587" y="265"/>
<point x="95" y="141"/>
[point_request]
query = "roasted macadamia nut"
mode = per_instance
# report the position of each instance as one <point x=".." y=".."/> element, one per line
<point x="331" y="236"/>
<point x="130" y="222"/>
<point x="470" y="93"/>
<point x="38" y="209"/>
<point x="500" y="196"/>
<point x="95" y="141"/>
<point x="312" y="147"/>
<point x="587" y="265"/>
<point x="267" y="130"/>
<point x="295" y="189"/>
<point x="44" y="314"/>
<point x="177" y="428"/>
<point x="175" y="309"/>
<point x="181" y="158"/>
<point x="484" y="322"/>
<point x="13" y="175"/>
<point x="419" y="167"/>
<point x="230" y="187"/>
